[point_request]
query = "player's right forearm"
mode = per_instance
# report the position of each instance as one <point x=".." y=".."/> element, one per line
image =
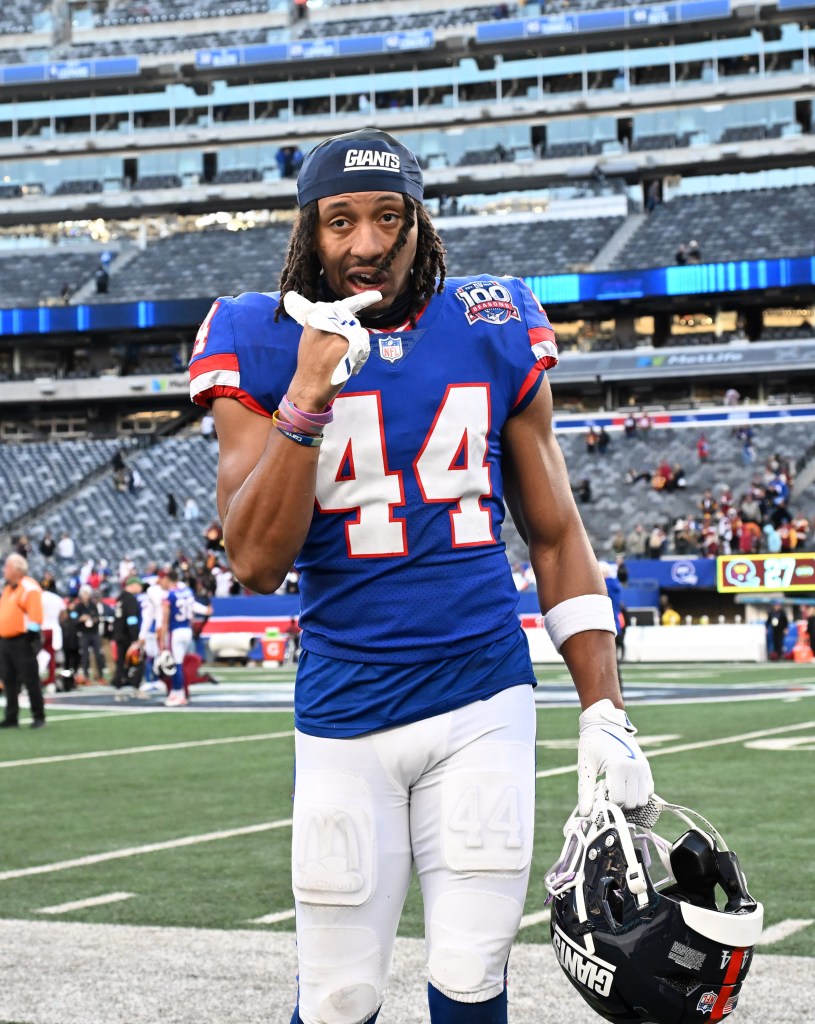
<point x="269" y="515"/>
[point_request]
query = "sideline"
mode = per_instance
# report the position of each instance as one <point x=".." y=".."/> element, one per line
<point x="120" y="974"/>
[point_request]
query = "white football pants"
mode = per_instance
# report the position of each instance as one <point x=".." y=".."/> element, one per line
<point x="454" y="795"/>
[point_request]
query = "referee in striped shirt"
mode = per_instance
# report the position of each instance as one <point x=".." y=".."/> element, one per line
<point x="20" y="640"/>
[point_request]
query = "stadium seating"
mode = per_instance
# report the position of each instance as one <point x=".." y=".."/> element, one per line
<point x="208" y="263"/>
<point x="34" y="474"/>
<point x="33" y="278"/>
<point x="139" y="12"/>
<point x="758" y="224"/>
<point x="237" y="175"/>
<point x="151" y="181"/>
<point x="226" y="263"/>
<point x="165" y="44"/>
<point x="616" y="505"/>
<point x="521" y="248"/>
<point x="752" y="225"/>
<point x="81" y="186"/>
<point x="9" y="56"/>
<point x="17" y="16"/>
<point x="107" y="523"/>
<point x="644" y="143"/>
<point x="404" y="21"/>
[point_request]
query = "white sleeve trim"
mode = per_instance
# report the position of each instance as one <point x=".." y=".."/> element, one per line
<point x="214" y="378"/>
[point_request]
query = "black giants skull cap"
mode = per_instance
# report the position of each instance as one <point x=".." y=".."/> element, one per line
<point x="368" y="160"/>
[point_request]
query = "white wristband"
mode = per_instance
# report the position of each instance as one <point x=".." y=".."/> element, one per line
<point x="578" y="614"/>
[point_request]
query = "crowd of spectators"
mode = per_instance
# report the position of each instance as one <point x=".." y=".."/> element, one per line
<point x="759" y="520"/>
<point x="690" y="253"/>
<point x="84" y="590"/>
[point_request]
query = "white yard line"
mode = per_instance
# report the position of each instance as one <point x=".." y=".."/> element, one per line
<point x="90" y="755"/>
<point x="283" y="915"/>
<point x="571" y="744"/>
<point x="681" y="748"/>
<point x="528" y="920"/>
<point x="91" y="901"/>
<point x="199" y="705"/>
<point x="75" y="716"/>
<point x="138" y="851"/>
<point x="778" y="932"/>
<point x="643" y="700"/>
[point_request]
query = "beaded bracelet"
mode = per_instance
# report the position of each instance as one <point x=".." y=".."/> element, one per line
<point x="290" y="431"/>
<point x="311" y="422"/>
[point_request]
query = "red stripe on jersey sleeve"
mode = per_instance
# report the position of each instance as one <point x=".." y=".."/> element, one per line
<point x="208" y="396"/>
<point x="537" y="334"/>
<point x="220" y="361"/>
<point x="530" y="380"/>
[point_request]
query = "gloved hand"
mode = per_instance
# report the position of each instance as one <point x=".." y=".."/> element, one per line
<point x="607" y="747"/>
<point x="337" y="318"/>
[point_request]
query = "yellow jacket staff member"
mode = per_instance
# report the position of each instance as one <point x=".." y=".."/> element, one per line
<point x="20" y="625"/>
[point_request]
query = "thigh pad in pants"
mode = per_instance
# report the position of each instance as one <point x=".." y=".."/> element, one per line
<point x="333" y="839"/>
<point x="342" y="975"/>
<point x="474" y="883"/>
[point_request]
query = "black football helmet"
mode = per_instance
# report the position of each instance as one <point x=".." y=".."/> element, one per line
<point x="636" y="925"/>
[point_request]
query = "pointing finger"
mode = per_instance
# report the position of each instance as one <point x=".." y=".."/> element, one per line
<point x="360" y="301"/>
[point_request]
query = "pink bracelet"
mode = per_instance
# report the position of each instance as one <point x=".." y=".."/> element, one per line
<point x="304" y="437"/>
<point x="312" y="422"/>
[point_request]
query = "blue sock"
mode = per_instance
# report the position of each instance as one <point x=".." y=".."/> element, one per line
<point x="448" y="1011"/>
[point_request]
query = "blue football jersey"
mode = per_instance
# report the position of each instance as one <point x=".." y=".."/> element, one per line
<point x="404" y="557"/>
<point x="181" y="601"/>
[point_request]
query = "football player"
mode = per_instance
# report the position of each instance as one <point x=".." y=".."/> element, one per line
<point x="175" y="632"/>
<point x="377" y="452"/>
<point x="151" y="602"/>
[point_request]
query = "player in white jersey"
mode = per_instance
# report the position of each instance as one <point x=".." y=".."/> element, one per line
<point x="415" y="723"/>
<point x="152" y="603"/>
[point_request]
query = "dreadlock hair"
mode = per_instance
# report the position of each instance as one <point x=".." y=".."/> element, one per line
<point x="301" y="271"/>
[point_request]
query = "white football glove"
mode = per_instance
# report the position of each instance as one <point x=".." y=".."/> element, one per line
<point x="607" y="747"/>
<point x="337" y="318"/>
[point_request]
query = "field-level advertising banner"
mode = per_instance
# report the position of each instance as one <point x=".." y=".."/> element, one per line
<point x="757" y="574"/>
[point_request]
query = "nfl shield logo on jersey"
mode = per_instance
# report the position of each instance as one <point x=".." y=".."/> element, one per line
<point x="390" y="348"/>
<point x="489" y="301"/>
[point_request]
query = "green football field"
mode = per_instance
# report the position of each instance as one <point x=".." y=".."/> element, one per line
<point x="136" y="815"/>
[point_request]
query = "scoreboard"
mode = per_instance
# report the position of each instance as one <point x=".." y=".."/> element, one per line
<point x="757" y="574"/>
